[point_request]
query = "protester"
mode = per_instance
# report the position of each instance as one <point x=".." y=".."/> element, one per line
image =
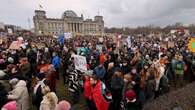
<point x="9" y="106"/>
<point x="38" y="90"/>
<point x="132" y="73"/>
<point x="49" y="101"/>
<point x="99" y="95"/>
<point x="63" y="105"/>
<point x="19" y="94"/>
<point x="3" y="95"/>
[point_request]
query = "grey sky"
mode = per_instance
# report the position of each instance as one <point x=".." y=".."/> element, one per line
<point x="116" y="13"/>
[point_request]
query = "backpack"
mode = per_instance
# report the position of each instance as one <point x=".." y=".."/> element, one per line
<point x="117" y="83"/>
<point x="179" y="66"/>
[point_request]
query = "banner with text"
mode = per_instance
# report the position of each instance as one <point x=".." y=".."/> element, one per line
<point x="80" y="62"/>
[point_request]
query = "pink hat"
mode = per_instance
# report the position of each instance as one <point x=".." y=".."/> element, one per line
<point x="63" y="105"/>
<point x="10" y="106"/>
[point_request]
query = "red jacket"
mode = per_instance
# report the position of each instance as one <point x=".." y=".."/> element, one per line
<point x="102" y="58"/>
<point x="100" y="102"/>
<point x="87" y="89"/>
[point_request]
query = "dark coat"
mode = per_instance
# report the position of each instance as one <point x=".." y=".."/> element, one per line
<point x="3" y="96"/>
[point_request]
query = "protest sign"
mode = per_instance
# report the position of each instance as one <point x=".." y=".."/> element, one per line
<point x="67" y="35"/>
<point x="129" y="41"/>
<point x="15" y="45"/>
<point x="10" y="31"/>
<point x="80" y="62"/>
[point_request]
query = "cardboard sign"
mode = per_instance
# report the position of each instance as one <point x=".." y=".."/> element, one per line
<point x="15" y="45"/>
<point x="129" y="41"/>
<point x="80" y="62"/>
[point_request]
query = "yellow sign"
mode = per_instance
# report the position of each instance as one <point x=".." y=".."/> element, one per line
<point x="191" y="45"/>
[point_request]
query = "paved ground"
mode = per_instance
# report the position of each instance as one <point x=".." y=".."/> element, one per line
<point x="63" y="94"/>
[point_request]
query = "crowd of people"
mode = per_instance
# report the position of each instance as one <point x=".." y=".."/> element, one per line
<point x="121" y="77"/>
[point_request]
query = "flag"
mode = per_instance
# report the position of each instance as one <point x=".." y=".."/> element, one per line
<point x="61" y="40"/>
<point x="129" y="41"/>
<point x="40" y="6"/>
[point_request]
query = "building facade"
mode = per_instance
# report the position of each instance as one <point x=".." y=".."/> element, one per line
<point x="69" y="22"/>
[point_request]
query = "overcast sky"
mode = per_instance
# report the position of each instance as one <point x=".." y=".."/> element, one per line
<point x="117" y="13"/>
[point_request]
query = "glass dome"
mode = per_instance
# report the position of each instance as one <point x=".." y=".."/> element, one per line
<point x="69" y="13"/>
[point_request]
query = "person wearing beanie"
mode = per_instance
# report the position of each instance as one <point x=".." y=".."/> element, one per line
<point x="131" y="101"/>
<point x="9" y="106"/>
<point x="19" y="94"/>
<point x="10" y="60"/>
<point x="63" y="105"/>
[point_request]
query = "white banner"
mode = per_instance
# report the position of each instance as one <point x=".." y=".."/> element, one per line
<point x="67" y="35"/>
<point x="129" y="41"/>
<point x="10" y="31"/>
<point x="80" y="62"/>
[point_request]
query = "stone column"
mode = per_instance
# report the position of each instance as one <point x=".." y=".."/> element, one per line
<point x="72" y="27"/>
<point x="76" y="27"/>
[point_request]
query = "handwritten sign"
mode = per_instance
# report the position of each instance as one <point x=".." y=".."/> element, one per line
<point x="68" y="35"/>
<point x="80" y="62"/>
<point x="15" y="45"/>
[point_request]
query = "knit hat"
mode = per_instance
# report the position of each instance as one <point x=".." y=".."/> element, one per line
<point x="14" y="81"/>
<point x="130" y="95"/>
<point x="10" y="60"/>
<point x="10" y="106"/>
<point x="63" y="105"/>
<point x="2" y="73"/>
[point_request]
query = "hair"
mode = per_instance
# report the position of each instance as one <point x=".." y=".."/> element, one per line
<point x="45" y="90"/>
<point x="51" y="98"/>
<point x="128" y="77"/>
<point x="94" y="77"/>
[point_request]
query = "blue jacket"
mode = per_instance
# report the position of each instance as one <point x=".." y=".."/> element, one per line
<point x="100" y="72"/>
<point x="56" y="62"/>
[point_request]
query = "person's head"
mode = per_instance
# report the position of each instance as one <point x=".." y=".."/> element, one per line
<point x="10" y="60"/>
<point x="134" y="71"/>
<point x="118" y="73"/>
<point x="40" y="76"/>
<point x="93" y="80"/>
<point x="63" y="105"/>
<point x="13" y="82"/>
<point x="52" y="98"/>
<point x="130" y="96"/>
<point x="127" y="77"/>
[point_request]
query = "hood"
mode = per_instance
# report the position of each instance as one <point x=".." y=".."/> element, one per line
<point x="21" y="83"/>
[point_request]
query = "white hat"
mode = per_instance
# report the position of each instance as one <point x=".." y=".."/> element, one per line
<point x="13" y="81"/>
<point x="2" y="73"/>
<point x="10" y="60"/>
